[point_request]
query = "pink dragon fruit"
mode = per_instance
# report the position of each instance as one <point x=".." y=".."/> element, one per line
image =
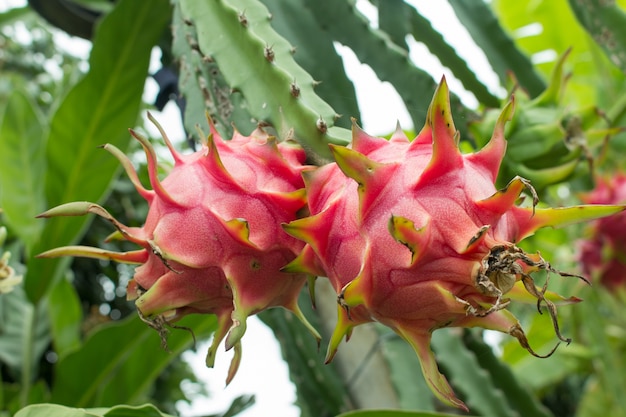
<point x="414" y="235"/>
<point x="603" y="255"/>
<point x="212" y="241"/>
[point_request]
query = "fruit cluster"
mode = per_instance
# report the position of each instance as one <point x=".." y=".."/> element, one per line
<point x="411" y="233"/>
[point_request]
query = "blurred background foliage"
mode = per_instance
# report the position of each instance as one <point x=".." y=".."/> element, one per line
<point x="69" y="337"/>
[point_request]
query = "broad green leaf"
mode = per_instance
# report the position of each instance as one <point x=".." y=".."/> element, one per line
<point x="499" y="48"/>
<point x="393" y="413"/>
<point x="146" y="410"/>
<point x="22" y="167"/>
<point x="119" y="362"/>
<point x="55" y="410"/>
<point x="98" y="110"/>
<point x="24" y="335"/>
<point x="66" y="315"/>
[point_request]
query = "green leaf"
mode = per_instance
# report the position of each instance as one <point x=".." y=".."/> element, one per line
<point x="54" y="410"/>
<point x="499" y="48"/>
<point x="146" y="410"/>
<point x="393" y="413"/>
<point x="98" y="110"/>
<point x="22" y="167"/>
<point x="24" y="334"/>
<point x="66" y="315"/>
<point x="119" y="362"/>
<point x="24" y="337"/>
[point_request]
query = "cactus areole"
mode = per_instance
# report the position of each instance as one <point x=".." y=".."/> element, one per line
<point x="414" y="235"/>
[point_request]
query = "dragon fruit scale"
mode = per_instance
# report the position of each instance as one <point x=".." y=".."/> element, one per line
<point x="414" y="235"/>
<point x="212" y="241"/>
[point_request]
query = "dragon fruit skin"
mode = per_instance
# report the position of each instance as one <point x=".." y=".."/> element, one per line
<point x="414" y="235"/>
<point x="603" y="255"/>
<point x="212" y="240"/>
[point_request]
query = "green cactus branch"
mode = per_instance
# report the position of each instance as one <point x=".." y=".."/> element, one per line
<point x="376" y="49"/>
<point x="203" y="86"/>
<point x="255" y="60"/>
<point x="317" y="55"/>
<point x="399" y="19"/>
<point x="499" y="48"/>
<point x="413" y="392"/>
<point x="605" y="21"/>
<point x="482" y="394"/>
<point x="518" y="396"/>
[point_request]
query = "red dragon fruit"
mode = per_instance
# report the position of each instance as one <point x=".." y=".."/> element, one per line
<point x="603" y="255"/>
<point x="414" y="235"/>
<point x="212" y="241"/>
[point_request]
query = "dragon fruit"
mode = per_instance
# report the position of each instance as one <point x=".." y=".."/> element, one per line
<point x="414" y="235"/>
<point x="212" y="241"/>
<point x="603" y="255"/>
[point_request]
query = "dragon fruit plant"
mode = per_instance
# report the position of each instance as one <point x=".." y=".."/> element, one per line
<point x="414" y="235"/>
<point x="212" y="240"/>
<point x="603" y="254"/>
